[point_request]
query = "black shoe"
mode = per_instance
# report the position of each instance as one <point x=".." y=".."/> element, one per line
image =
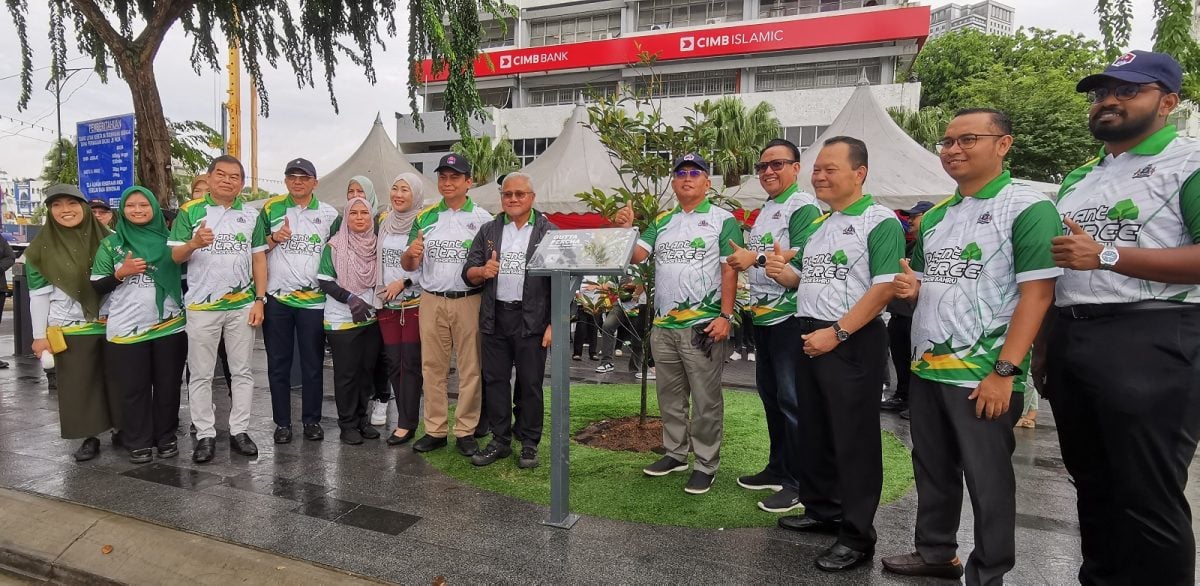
<point x="593" y="358"/>
<point x="576" y="357"/>
<point x="118" y="441"/>
<point x="481" y="432"/>
<point x="840" y="558"/>
<point x="191" y="429"/>
<point x="283" y="435"/>
<point x="906" y="415"/>
<point x="90" y="448"/>
<point x="204" y="450"/>
<point x="466" y="445"/>
<point x="528" y="458"/>
<point x="242" y="444"/>
<point x="807" y="524"/>
<point x="3" y="364"/>
<point x="368" y="432"/>
<point x="664" y="466"/>
<point x="395" y="440"/>
<point x="490" y="453"/>
<point x="428" y="443"/>
<point x="352" y="437"/>
<point x="313" y="432"/>
<point x="141" y="455"/>
<point x="168" y="450"/>
<point x="781" y="502"/>
<point x="762" y="481"/>
<point x="894" y="403"/>
<point x="699" y="483"/>
<point x="912" y="564"/>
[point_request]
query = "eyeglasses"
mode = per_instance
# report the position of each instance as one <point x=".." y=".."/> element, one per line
<point x="221" y="176"/>
<point x="966" y="141"/>
<point x="297" y="178"/>
<point x="1123" y="92"/>
<point x="776" y="165"/>
<point x="515" y="194"/>
<point x="682" y="173"/>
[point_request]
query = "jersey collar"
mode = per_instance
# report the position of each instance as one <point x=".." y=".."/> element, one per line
<point x="857" y="208"/>
<point x="467" y="206"/>
<point x="785" y="194"/>
<point x="532" y="217"/>
<point x="992" y="189"/>
<point x="313" y="203"/>
<point x="236" y="205"/>
<point x="1154" y="144"/>
<point x="703" y="208"/>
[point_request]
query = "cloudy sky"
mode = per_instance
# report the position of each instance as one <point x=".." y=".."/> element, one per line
<point x="302" y="122"/>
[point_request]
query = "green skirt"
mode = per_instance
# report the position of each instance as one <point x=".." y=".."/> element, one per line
<point x="86" y="408"/>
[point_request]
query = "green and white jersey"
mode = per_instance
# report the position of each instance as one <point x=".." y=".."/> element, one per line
<point x="448" y="234"/>
<point x="689" y="248"/>
<point x="844" y="254"/>
<point x="971" y="255"/>
<point x="220" y="276"/>
<point x="133" y="306"/>
<point x="292" y="265"/>
<point x="790" y="213"/>
<point x="65" y="312"/>
<point x="391" y="249"/>
<point x="1146" y="197"/>
<point x="337" y="314"/>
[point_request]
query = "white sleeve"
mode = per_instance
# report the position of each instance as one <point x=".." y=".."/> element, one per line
<point x="39" y="313"/>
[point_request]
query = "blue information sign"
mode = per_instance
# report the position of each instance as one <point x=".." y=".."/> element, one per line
<point x="105" y="152"/>
<point x="23" y="197"/>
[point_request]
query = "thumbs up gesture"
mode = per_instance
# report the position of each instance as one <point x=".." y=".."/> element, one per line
<point x="129" y="267"/>
<point x="776" y="263"/>
<point x="284" y="233"/>
<point x="624" y="217"/>
<point x="906" y="285"/>
<point x="740" y="259"/>
<point x="416" y="249"/>
<point x="492" y="267"/>
<point x="1077" y="250"/>
<point x="203" y="236"/>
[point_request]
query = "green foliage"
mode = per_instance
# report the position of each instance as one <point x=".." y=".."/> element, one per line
<point x="736" y="134"/>
<point x="193" y="145"/>
<point x="1172" y="35"/>
<point x="38" y="217"/>
<point x="924" y="126"/>
<point x="61" y="163"/>
<point x="1116" y="20"/>
<point x="489" y="159"/>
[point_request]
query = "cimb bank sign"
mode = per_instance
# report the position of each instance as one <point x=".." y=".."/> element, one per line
<point x="693" y="42"/>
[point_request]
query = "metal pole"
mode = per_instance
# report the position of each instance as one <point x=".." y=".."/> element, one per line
<point x="562" y="287"/>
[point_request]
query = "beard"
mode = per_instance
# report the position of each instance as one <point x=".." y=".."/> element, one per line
<point x="1127" y="129"/>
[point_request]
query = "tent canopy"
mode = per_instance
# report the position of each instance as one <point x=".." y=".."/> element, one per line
<point x="377" y="159"/>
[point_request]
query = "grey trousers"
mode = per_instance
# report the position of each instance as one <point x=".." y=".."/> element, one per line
<point x="686" y="376"/>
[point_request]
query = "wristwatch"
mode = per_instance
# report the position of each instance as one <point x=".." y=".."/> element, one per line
<point x="407" y="283"/>
<point x="728" y="317"/>
<point x="761" y="260"/>
<point x="842" y="335"/>
<point x="1109" y="257"/>
<point x="1006" y="368"/>
<point x="262" y="298"/>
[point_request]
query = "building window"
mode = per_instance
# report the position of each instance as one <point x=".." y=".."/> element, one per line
<point x="699" y="83"/>
<point x="495" y="33"/>
<point x="770" y="9"/>
<point x="556" y="95"/>
<point x="816" y="75"/>
<point x="681" y="13"/>
<point x="528" y="149"/>
<point x="803" y="136"/>
<point x="576" y="29"/>
<point x="500" y="97"/>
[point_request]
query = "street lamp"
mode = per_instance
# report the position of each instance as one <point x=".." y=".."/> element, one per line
<point x="58" y="81"/>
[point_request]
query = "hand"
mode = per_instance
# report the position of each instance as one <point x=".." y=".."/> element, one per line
<point x="492" y="267"/>
<point x="624" y="217"/>
<point x="822" y="341"/>
<point x="740" y="259"/>
<point x="256" y="314"/>
<point x="906" y="285"/>
<point x="1077" y="251"/>
<point x="284" y="233"/>
<point x="360" y="310"/>
<point x="130" y="266"/>
<point x="546" y="338"/>
<point x="718" y="329"/>
<point x="393" y="290"/>
<point x="203" y="236"/>
<point x="991" y="396"/>
<point x="39" y="346"/>
<point x="417" y="248"/>
<point x="775" y="262"/>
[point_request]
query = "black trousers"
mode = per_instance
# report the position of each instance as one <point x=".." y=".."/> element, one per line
<point x="502" y="351"/>
<point x="1126" y="396"/>
<point x="355" y="353"/>
<point x="284" y="329"/>
<point x="840" y="467"/>
<point x="586" y="330"/>
<point x="149" y="375"/>
<point x="950" y="444"/>
<point x="779" y="348"/>
<point x="899" y="330"/>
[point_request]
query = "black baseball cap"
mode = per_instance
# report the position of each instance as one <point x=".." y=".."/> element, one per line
<point x="1138" y="67"/>
<point x="691" y="159"/>
<point x="99" y="203"/>
<point x="64" y="190"/>
<point x="455" y="162"/>
<point x="921" y="207"/>
<point x="303" y="165"/>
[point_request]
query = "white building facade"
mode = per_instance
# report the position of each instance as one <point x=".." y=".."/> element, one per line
<point x="989" y="17"/>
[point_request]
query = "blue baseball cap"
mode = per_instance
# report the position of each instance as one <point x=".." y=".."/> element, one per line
<point x="1138" y="67"/>
<point x="691" y="159"/>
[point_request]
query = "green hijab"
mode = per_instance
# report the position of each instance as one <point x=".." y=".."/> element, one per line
<point x="64" y="255"/>
<point x="149" y="243"/>
<point x="369" y="190"/>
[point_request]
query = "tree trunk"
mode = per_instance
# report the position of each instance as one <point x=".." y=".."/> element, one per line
<point x="152" y="135"/>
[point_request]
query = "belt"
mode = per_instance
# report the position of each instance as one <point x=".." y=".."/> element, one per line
<point x="1084" y="311"/>
<point x="511" y="305"/>
<point x="815" y="324"/>
<point x="457" y="294"/>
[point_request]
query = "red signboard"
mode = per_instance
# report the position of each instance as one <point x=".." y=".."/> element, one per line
<point x="876" y="26"/>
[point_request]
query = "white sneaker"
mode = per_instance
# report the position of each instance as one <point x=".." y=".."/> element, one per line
<point x="649" y="374"/>
<point x="605" y="368"/>
<point x="750" y="356"/>
<point x="618" y="352"/>
<point x="735" y="356"/>
<point x="379" y="412"/>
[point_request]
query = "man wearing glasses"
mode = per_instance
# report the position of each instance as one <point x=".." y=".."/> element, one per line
<point x="693" y="315"/>
<point x="1122" y="354"/>
<point x="299" y="225"/>
<point x="514" y="320"/>
<point x="780" y="222"/>
<point x="982" y="279"/>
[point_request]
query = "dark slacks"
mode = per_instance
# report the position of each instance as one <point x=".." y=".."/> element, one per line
<point x="586" y="330"/>
<point x="504" y="350"/>
<point x="284" y="329"/>
<point x="1126" y="396"/>
<point x="402" y="347"/>
<point x="899" y="330"/>
<point x="355" y="353"/>
<point x="840" y="452"/>
<point x="149" y="375"/>
<point x="950" y="444"/>
<point x="779" y="347"/>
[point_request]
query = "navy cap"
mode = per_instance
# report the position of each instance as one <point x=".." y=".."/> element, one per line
<point x="1138" y="67"/>
<point x="455" y="162"/>
<point x="302" y="165"/>
<point x="921" y="207"/>
<point x="691" y="159"/>
<point x="99" y="203"/>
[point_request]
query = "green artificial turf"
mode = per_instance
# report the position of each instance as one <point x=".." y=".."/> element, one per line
<point x="610" y="484"/>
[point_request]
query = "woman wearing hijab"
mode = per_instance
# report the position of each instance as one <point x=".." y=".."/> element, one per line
<point x="62" y="301"/>
<point x="361" y="186"/>
<point x="145" y="324"/>
<point x="401" y="296"/>
<point x="347" y="275"/>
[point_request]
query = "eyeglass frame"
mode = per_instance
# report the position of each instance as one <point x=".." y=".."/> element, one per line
<point x="685" y="173"/>
<point x="948" y="142"/>
<point x="518" y="194"/>
<point x="1093" y="99"/>
<point x="775" y="165"/>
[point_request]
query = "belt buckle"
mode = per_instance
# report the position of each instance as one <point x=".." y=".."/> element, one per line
<point x="1076" y="314"/>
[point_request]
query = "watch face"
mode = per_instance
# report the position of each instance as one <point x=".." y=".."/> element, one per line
<point x="1109" y="256"/>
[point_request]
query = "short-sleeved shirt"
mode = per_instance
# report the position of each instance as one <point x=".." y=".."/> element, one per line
<point x="391" y="249"/>
<point x="220" y="276"/>
<point x="292" y="265"/>
<point x="1146" y="197"/>
<point x="689" y="248"/>
<point x="337" y="314"/>
<point x="844" y="254"/>
<point x="448" y="234"/>
<point x="133" y="314"/>
<point x="971" y="255"/>
<point x="781" y="220"/>
<point x="514" y="243"/>
<point x="65" y="312"/>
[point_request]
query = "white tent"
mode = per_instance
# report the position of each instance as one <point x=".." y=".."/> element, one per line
<point x="377" y="159"/>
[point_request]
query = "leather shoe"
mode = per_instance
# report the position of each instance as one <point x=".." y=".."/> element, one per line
<point x="807" y="524"/>
<point x="912" y="564"/>
<point x="283" y="435"/>
<point x="242" y="444"/>
<point x="313" y="432"/>
<point x="368" y="432"/>
<point x="466" y="445"/>
<point x="204" y="450"/>
<point x="90" y="448"/>
<point x="395" y="440"/>
<point x="839" y="558"/>
<point x="428" y="443"/>
<point x="352" y="437"/>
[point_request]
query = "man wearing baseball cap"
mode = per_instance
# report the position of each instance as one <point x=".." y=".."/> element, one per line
<point x="102" y="211"/>
<point x="1124" y="347"/>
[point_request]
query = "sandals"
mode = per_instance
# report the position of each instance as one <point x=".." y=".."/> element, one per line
<point x="1026" y="422"/>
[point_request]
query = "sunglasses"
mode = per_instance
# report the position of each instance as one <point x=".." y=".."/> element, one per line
<point x="1123" y="92"/>
<point x="776" y="165"/>
<point x="682" y="173"/>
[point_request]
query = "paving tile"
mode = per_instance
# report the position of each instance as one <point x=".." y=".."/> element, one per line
<point x="175" y="476"/>
<point x="323" y="507"/>
<point x="377" y="519"/>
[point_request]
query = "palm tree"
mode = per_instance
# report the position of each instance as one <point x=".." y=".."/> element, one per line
<point x="488" y="159"/>
<point x="736" y="134"/>
<point x="924" y="126"/>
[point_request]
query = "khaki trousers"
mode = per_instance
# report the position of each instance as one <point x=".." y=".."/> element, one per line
<point x="686" y="376"/>
<point x="450" y="325"/>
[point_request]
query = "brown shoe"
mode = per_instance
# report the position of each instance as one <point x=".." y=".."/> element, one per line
<point x="912" y="564"/>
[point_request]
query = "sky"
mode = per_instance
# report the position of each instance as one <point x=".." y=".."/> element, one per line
<point x="302" y="122"/>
